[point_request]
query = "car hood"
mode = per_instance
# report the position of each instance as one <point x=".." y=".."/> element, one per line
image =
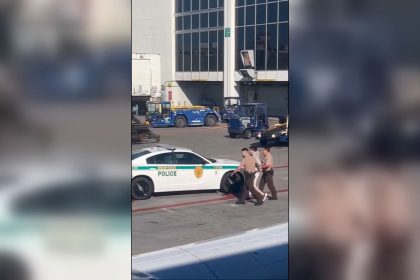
<point x="226" y="161"/>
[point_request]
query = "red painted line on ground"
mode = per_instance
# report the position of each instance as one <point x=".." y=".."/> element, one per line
<point x="205" y="201"/>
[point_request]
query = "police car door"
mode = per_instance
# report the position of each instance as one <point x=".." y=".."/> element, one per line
<point x="190" y="170"/>
<point x="163" y="172"/>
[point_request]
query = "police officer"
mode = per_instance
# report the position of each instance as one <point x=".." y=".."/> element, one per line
<point x="268" y="172"/>
<point x="248" y="164"/>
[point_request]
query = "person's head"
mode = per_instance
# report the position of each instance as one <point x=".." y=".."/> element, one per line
<point x="252" y="150"/>
<point x="266" y="150"/>
<point x="245" y="152"/>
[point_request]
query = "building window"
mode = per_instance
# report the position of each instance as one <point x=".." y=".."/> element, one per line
<point x="195" y="21"/>
<point x="250" y="2"/>
<point x="283" y="46"/>
<point x="272" y="13"/>
<point x="271" y="46"/>
<point x="187" y="22"/>
<point x="221" y="18"/>
<point x="239" y="46"/>
<point x="213" y="19"/>
<point x="261" y="13"/>
<point x="195" y="5"/>
<point x="178" y="25"/>
<point x="213" y="4"/>
<point x="240" y="16"/>
<point x="213" y="51"/>
<point x="186" y="6"/>
<point x="261" y="1"/>
<point x="195" y="39"/>
<point x="250" y="15"/>
<point x="260" y="46"/>
<point x="178" y="6"/>
<point x="204" y="48"/>
<point x="204" y="20"/>
<point x="204" y="4"/>
<point x="250" y="38"/>
<point x="221" y="3"/>
<point x="187" y="52"/>
<point x="221" y="44"/>
<point x="284" y="11"/>
<point x="179" y="52"/>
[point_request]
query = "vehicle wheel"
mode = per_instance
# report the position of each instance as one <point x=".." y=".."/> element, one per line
<point x="231" y="184"/>
<point x="180" y="121"/>
<point x="210" y="120"/>
<point x="141" y="188"/>
<point x="232" y="135"/>
<point x="247" y="134"/>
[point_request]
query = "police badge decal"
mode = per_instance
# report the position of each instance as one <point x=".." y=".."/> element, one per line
<point x="198" y="172"/>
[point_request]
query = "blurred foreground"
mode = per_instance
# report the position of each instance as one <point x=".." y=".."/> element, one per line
<point x="65" y="203"/>
<point x="355" y="134"/>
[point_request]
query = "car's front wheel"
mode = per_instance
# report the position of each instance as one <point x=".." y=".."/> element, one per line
<point x="231" y="183"/>
<point x="141" y="188"/>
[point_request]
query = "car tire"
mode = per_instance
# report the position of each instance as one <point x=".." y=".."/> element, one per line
<point x="232" y="135"/>
<point x="11" y="267"/>
<point x="210" y="120"/>
<point x="227" y="187"/>
<point x="141" y="188"/>
<point x="180" y="121"/>
<point x="247" y="134"/>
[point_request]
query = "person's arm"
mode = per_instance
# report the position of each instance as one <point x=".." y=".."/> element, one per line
<point x="267" y="165"/>
<point x="240" y="167"/>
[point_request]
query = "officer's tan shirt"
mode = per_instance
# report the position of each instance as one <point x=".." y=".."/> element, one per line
<point x="268" y="159"/>
<point x="248" y="164"/>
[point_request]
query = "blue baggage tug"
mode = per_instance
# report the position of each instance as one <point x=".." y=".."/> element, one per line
<point x="251" y="119"/>
<point x="163" y="114"/>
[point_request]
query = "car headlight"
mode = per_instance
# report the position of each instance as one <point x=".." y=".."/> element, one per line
<point x="273" y="135"/>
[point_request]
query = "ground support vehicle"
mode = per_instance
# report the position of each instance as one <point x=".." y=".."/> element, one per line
<point x="163" y="114"/>
<point x="166" y="168"/>
<point x="251" y="119"/>
<point x="279" y="134"/>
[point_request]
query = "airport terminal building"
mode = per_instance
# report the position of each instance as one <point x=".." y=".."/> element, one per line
<point x="200" y="44"/>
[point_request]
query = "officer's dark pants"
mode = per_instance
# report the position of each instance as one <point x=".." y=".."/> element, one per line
<point x="267" y="178"/>
<point x="249" y="187"/>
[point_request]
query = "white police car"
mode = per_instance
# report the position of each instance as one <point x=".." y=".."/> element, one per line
<point x="166" y="169"/>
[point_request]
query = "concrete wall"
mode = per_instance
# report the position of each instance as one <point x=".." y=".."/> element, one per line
<point x="153" y="32"/>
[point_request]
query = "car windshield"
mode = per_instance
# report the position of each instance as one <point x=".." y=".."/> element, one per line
<point x="246" y="110"/>
<point x="153" y="108"/>
<point x="138" y="154"/>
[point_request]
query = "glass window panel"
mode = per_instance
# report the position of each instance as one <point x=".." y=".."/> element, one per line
<point x="204" y="4"/>
<point x="221" y="18"/>
<point x="204" y="48"/>
<point x="284" y="11"/>
<point x="195" y="5"/>
<point x="213" y="19"/>
<point x="250" y="15"/>
<point x="195" y="21"/>
<point x="250" y="38"/>
<point x="221" y="3"/>
<point x="204" y="20"/>
<point x="240" y="2"/>
<point x="250" y="2"/>
<point x="283" y="46"/>
<point x="271" y="46"/>
<point x="187" y="5"/>
<point x="213" y="51"/>
<point x="178" y="8"/>
<point x="179" y="52"/>
<point x="272" y="13"/>
<point x="187" y="52"/>
<point x="195" y="47"/>
<point x="221" y="44"/>
<point x="261" y="1"/>
<point x="178" y="24"/>
<point x="240" y="15"/>
<point x="260" y="45"/>
<point x="272" y="0"/>
<point x="213" y="4"/>
<point x="261" y="13"/>
<point x="239" y="46"/>
<point x="187" y="22"/>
